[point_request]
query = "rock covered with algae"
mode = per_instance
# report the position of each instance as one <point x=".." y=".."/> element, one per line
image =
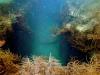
<point x="10" y="64"/>
<point x="41" y="66"/>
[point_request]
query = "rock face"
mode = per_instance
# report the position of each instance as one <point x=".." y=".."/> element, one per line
<point x="5" y="30"/>
<point x="97" y="29"/>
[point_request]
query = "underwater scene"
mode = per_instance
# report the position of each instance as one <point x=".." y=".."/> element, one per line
<point x="49" y="37"/>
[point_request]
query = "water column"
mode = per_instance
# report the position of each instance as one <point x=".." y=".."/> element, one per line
<point x="45" y="16"/>
<point x="42" y="16"/>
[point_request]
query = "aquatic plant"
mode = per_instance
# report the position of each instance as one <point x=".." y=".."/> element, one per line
<point x="84" y="37"/>
<point x="79" y="68"/>
<point x="41" y="66"/>
<point x="83" y="30"/>
<point x="8" y="63"/>
<point x="5" y="24"/>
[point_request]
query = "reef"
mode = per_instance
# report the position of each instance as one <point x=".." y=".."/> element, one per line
<point x="8" y="63"/>
<point x="40" y="65"/>
<point x="83" y="33"/>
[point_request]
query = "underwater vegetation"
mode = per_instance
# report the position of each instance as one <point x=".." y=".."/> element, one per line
<point x="83" y="32"/>
<point x="8" y="63"/>
<point x="11" y="64"/>
<point x="84" y="35"/>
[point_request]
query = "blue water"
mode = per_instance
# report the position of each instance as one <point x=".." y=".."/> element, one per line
<point x="42" y="17"/>
<point x="45" y="18"/>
